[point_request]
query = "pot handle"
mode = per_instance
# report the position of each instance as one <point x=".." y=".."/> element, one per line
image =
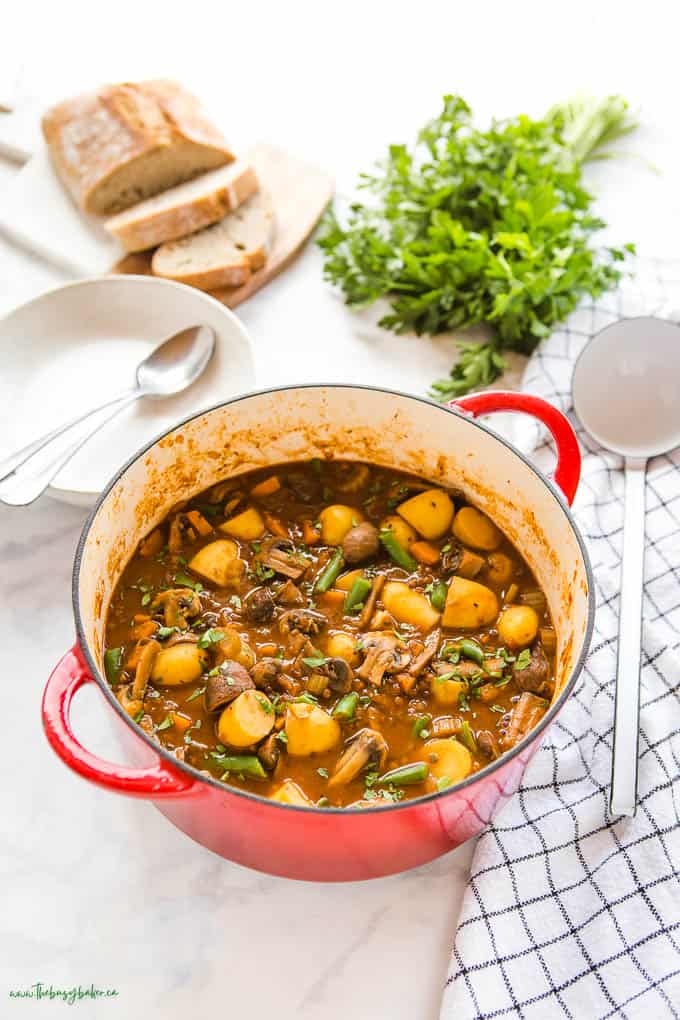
<point x="568" y="468"/>
<point x="68" y="676"/>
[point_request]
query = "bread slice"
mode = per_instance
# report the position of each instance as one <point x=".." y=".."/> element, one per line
<point x="123" y="143"/>
<point x="185" y="209"/>
<point x="223" y="255"/>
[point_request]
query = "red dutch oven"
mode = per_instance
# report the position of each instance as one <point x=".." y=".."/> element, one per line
<point x="447" y="446"/>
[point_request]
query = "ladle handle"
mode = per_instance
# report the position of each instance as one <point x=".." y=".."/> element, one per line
<point x="627" y="708"/>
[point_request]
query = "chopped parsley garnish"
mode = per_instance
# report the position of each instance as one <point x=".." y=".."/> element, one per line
<point x="523" y="659"/>
<point x="316" y="660"/>
<point x="184" y="581"/>
<point x="195" y="694"/>
<point x="323" y="773"/>
<point x="211" y="637"/>
<point x="166" y="724"/>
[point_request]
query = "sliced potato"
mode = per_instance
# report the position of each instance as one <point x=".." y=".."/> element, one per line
<point x="518" y="626"/>
<point x="403" y="532"/>
<point x="430" y="512"/>
<point x="472" y="527"/>
<point x="230" y="645"/>
<point x="215" y="562"/>
<point x="290" y="793"/>
<point x="336" y="521"/>
<point x="180" y="664"/>
<point x="345" y="581"/>
<point x="247" y="720"/>
<point x="448" y="759"/>
<point x="309" y="729"/>
<point x="409" y="606"/>
<point x="447" y="692"/>
<point x="248" y="525"/>
<point x="343" y="646"/>
<point x="469" y="604"/>
<point x="245" y="655"/>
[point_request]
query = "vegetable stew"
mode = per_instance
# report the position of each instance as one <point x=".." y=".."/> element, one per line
<point x="331" y="633"/>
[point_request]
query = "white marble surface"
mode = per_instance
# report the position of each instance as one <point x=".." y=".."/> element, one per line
<point x="99" y="889"/>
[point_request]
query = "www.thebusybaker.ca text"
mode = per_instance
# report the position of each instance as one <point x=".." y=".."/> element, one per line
<point x="69" y="995"/>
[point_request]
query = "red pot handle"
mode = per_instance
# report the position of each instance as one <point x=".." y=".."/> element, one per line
<point x="568" y="468"/>
<point x="69" y="675"/>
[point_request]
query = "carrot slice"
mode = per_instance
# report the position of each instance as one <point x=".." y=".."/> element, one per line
<point x="267" y="487"/>
<point x="424" y="552"/>
<point x="310" y="536"/>
<point x="333" y="597"/>
<point x="181" y="722"/>
<point x="275" y="526"/>
<point x="198" y="521"/>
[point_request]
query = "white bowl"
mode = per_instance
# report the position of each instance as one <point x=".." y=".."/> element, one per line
<point x="74" y="347"/>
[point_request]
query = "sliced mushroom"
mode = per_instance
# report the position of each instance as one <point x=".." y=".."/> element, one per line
<point x="427" y="655"/>
<point x="145" y="663"/>
<point x="231" y="680"/>
<point x="178" y="605"/>
<point x="133" y="706"/>
<point x="270" y="751"/>
<point x="365" y="748"/>
<point x="385" y="653"/>
<point x="525" y="714"/>
<point x="488" y="744"/>
<point x="290" y="595"/>
<point x="266" y="671"/>
<point x="258" y="606"/>
<point x="279" y="555"/>
<point x="338" y="673"/>
<point x="360" y="543"/>
<point x="371" y="600"/>
<point x="306" y="621"/>
<point x="181" y="531"/>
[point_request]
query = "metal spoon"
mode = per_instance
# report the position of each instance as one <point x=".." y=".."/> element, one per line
<point x="626" y="391"/>
<point x="173" y="366"/>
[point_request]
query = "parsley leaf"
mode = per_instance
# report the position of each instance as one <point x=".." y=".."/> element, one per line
<point x="210" y="637"/>
<point x="523" y="659"/>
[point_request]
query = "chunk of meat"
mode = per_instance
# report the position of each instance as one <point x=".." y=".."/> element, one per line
<point x="258" y="606"/>
<point x="279" y="555"/>
<point x="487" y="743"/>
<point x="525" y="714"/>
<point x="533" y="677"/>
<point x="290" y="595"/>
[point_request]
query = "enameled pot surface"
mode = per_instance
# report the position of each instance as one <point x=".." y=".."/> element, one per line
<point x="296" y="423"/>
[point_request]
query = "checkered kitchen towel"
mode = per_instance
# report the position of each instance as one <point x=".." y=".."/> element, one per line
<point x="567" y="913"/>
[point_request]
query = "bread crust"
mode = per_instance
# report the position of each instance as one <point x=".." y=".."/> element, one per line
<point x="92" y="137"/>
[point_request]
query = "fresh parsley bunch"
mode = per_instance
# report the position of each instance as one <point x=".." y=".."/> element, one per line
<point x="474" y="226"/>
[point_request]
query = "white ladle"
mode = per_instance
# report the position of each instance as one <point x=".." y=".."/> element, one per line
<point x="626" y="391"/>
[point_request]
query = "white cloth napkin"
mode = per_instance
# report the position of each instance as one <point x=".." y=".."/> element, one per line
<point x="567" y="913"/>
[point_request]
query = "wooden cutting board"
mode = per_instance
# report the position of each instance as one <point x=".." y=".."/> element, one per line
<point x="300" y="192"/>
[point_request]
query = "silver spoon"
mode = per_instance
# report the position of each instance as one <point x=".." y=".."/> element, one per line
<point x="626" y="391"/>
<point x="173" y="366"/>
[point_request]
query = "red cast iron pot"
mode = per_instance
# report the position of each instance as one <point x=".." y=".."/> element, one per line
<point x="290" y="424"/>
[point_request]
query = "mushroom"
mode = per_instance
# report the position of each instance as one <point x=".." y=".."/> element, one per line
<point x="525" y="714"/>
<point x="371" y="600"/>
<point x="338" y="673"/>
<point x="178" y="605"/>
<point x="279" y="555"/>
<point x="269" y="752"/>
<point x="487" y="744"/>
<point x="360" y="543"/>
<point x="131" y="697"/>
<point x="352" y="477"/>
<point x="306" y="621"/>
<point x="226" y="684"/>
<point x="427" y="655"/>
<point x="290" y="595"/>
<point x="385" y="653"/>
<point x="266" y="671"/>
<point x="365" y="748"/>
<point x="258" y="606"/>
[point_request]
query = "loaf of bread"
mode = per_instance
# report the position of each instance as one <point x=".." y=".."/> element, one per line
<point x="184" y="209"/>
<point x="124" y="143"/>
<point x="223" y="255"/>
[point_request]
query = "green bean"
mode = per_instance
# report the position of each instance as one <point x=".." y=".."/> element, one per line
<point x="420" y="725"/>
<point x="113" y="664"/>
<point x="245" y="764"/>
<point x="467" y="737"/>
<point x="396" y="551"/>
<point x="471" y="650"/>
<point x="330" y="573"/>
<point x="438" y="592"/>
<point x="357" y="594"/>
<point x="406" y="775"/>
<point x="347" y="706"/>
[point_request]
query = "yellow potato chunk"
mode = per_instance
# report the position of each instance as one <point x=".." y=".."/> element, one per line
<point x="248" y="719"/>
<point x="180" y="664"/>
<point x="447" y="692"/>
<point x="403" y="532"/>
<point x="409" y="606"/>
<point x="472" y="527"/>
<point x="500" y="569"/>
<point x="310" y="730"/>
<point x="430" y="512"/>
<point x="336" y="521"/>
<point x="518" y="626"/>
<point x="343" y="646"/>
<point x="469" y="604"/>
<point x="245" y="655"/>
<point x="215" y="562"/>
<point x="290" y="793"/>
<point x="248" y="525"/>
<point x="345" y="581"/>
<point x="448" y="759"/>
<point x="230" y="645"/>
